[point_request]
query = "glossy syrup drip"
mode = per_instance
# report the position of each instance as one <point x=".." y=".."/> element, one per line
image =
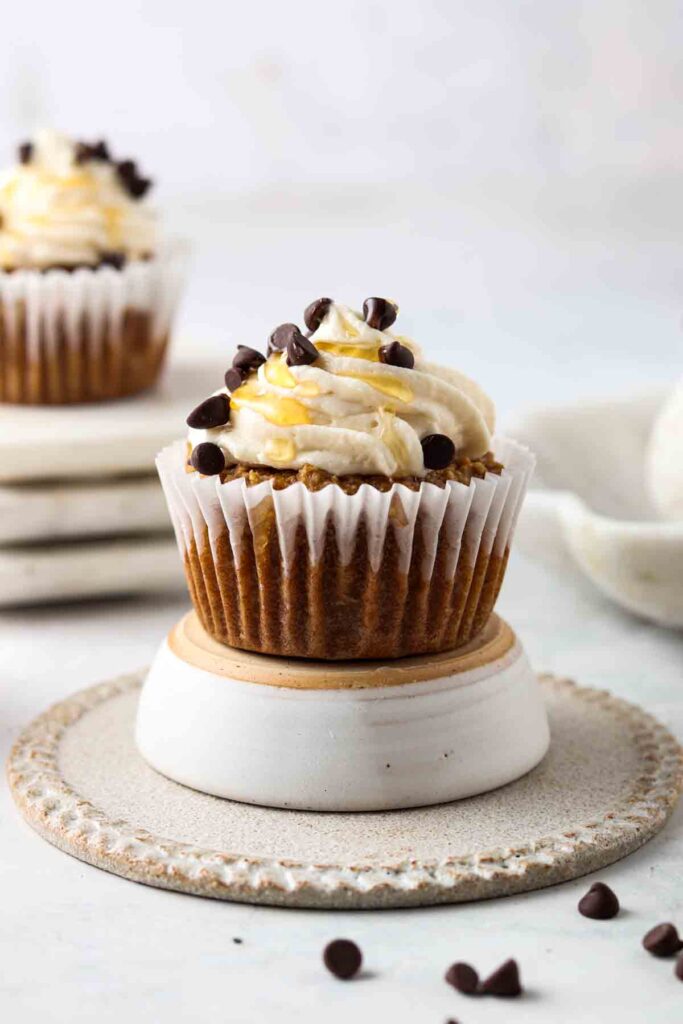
<point x="386" y="383"/>
<point x="390" y="437"/>
<point x="343" y="349"/>
<point x="280" y="450"/>
<point x="279" y="375"/>
<point x="278" y="409"/>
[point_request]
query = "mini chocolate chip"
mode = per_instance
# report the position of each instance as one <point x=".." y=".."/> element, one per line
<point x="212" y="412"/>
<point x="25" y="151"/>
<point x="662" y="940"/>
<point x="281" y="336"/>
<point x="113" y="259"/>
<point x="342" y="958"/>
<point x="237" y="941"/>
<point x="134" y="183"/>
<point x="247" y="359"/>
<point x="599" y="903"/>
<point x="234" y="378"/>
<point x="379" y="313"/>
<point x="396" y="354"/>
<point x="100" y="151"/>
<point x="315" y="313"/>
<point x="437" y="451"/>
<point x="678" y="969"/>
<point x="208" y="459"/>
<point x="503" y="982"/>
<point x="300" y="351"/>
<point x="84" y="151"/>
<point x="463" y="978"/>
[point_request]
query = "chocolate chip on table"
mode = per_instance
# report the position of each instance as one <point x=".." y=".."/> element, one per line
<point x="212" y="412"/>
<point x="396" y="354"/>
<point x="599" y="903"/>
<point x="247" y="359"/>
<point x="463" y="978"/>
<point x="300" y="351"/>
<point x="379" y="313"/>
<point x="503" y="982"/>
<point x="438" y="451"/>
<point x="678" y="969"/>
<point x="315" y="313"/>
<point x="208" y="459"/>
<point x="342" y="958"/>
<point x="662" y="940"/>
<point x="25" y="151"/>
<point x="234" y="378"/>
<point x="280" y="337"/>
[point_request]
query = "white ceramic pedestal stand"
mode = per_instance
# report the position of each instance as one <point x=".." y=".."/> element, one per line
<point x="360" y="736"/>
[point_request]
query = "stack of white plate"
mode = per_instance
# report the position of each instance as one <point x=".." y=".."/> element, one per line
<point x="82" y="513"/>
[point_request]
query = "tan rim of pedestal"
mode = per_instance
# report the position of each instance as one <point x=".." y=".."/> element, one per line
<point x="190" y="642"/>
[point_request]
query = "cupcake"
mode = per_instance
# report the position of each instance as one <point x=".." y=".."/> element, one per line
<point x="87" y="289"/>
<point x="341" y="497"/>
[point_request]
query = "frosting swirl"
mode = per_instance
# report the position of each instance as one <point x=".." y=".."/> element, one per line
<point x="348" y="412"/>
<point x="59" y="210"/>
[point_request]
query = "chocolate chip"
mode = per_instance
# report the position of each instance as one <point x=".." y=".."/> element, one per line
<point x="281" y="336"/>
<point x="237" y="941"/>
<point x="463" y="978"/>
<point x="247" y="359"/>
<point x="208" y="459"/>
<point x="85" y="151"/>
<point x="25" y="152"/>
<point x="113" y="259"/>
<point x="662" y="940"/>
<point x="396" y="354"/>
<point x="437" y="451"/>
<point x="300" y="351"/>
<point x="599" y="903"/>
<point x="503" y="982"/>
<point x="678" y="969"/>
<point x="134" y="183"/>
<point x="212" y="412"/>
<point x="379" y="313"/>
<point x="316" y="313"/>
<point x="234" y="378"/>
<point x="342" y="958"/>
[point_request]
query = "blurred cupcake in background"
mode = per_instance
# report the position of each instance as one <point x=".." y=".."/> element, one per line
<point x="88" y="289"/>
<point x="342" y="497"/>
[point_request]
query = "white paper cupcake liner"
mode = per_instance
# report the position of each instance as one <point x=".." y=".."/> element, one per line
<point x="449" y="543"/>
<point x="87" y="334"/>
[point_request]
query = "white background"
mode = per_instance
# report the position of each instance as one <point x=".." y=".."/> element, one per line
<point x="510" y="172"/>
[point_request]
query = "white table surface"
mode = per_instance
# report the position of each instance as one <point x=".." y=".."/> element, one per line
<point x="81" y="945"/>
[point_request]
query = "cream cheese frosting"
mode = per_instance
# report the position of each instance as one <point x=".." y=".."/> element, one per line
<point x="58" y="211"/>
<point x="348" y="412"/>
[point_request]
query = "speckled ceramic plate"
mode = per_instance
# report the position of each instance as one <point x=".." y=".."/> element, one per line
<point x="608" y="784"/>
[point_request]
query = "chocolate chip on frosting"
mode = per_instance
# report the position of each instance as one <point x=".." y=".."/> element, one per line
<point x="463" y="978"/>
<point x="212" y="412"/>
<point x="503" y="982"/>
<point x="208" y="459"/>
<point x="396" y="354"/>
<point x="234" y="378"/>
<point x="280" y="337"/>
<point x="300" y="351"/>
<point x="343" y="958"/>
<point x="599" y="903"/>
<point x="247" y="359"/>
<point x="316" y="312"/>
<point x="113" y="259"/>
<point x="85" y="151"/>
<point x="379" y="313"/>
<point x="662" y="940"/>
<point x="135" y="185"/>
<point x="25" y="152"/>
<point x="438" y="451"/>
